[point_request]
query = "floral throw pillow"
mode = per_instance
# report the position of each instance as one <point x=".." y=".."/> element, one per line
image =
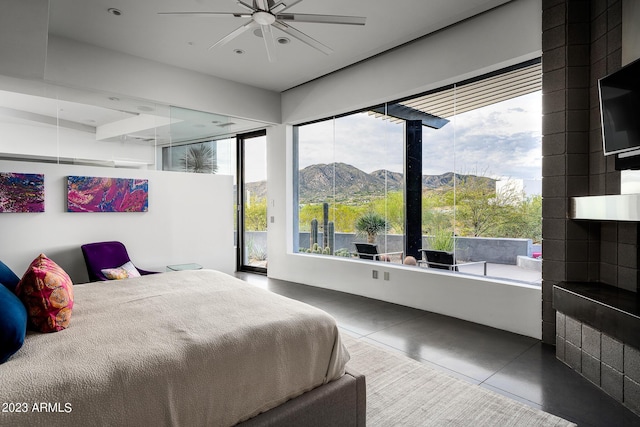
<point x="47" y="293"/>
<point x="125" y="271"/>
<point x="115" y="273"/>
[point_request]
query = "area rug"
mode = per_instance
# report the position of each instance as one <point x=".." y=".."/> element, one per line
<point x="405" y="392"/>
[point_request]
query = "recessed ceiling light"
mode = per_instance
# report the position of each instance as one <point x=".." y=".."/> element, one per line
<point x="190" y="43"/>
<point x="238" y="51"/>
<point x="114" y="11"/>
<point x="257" y="32"/>
<point x="283" y="40"/>
<point x="113" y="98"/>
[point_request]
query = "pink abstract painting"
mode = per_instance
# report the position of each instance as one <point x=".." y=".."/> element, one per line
<point x="94" y="194"/>
<point x="21" y="192"/>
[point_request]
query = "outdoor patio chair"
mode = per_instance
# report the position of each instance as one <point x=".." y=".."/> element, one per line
<point x="445" y="260"/>
<point x="370" y="251"/>
<point x="103" y="255"/>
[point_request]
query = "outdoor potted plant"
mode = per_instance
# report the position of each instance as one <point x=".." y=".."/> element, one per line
<point x="371" y="224"/>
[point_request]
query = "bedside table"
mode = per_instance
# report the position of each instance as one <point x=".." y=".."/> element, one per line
<point x="180" y="267"/>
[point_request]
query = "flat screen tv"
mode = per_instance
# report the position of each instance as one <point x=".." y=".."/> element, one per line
<point x="620" y="109"/>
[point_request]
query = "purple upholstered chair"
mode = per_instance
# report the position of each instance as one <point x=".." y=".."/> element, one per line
<point x="101" y="255"/>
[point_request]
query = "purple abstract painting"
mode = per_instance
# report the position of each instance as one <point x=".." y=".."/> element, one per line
<point x="93" y="194"/>
<point x="21" y="192"/>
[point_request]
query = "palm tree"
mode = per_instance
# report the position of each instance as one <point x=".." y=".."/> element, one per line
<point x="200" y="158"/>
<point x="371" y="224"/>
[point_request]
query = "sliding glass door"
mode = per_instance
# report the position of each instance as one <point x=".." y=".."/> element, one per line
<point x="252" y="202"/>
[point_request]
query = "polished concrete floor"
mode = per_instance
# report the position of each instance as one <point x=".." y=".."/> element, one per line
<point x="519" y="367"/>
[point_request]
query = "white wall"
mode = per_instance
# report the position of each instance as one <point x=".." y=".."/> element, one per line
<point x="29" y="138"/>
<point x="79" y="65"/>
<point x="190" y="219"/>
<point x="504" y="36"/>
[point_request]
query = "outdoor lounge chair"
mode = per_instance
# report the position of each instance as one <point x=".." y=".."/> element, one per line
<point x="370" y="251"/>
<point x="445" y="260"/>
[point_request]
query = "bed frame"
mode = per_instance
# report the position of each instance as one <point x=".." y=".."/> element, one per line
<point x="339" y="403"/>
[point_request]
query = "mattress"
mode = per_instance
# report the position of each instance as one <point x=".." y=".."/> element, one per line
<point x="183" y="348"/>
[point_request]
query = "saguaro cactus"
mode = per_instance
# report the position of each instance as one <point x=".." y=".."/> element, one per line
<point x="313" y="236"/>
<point x="325" y="222"/>
<point x="332" y="237"/>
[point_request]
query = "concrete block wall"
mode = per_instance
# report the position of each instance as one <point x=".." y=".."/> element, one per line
<point x="605" y="361"/>
<point x="581" y="42"/>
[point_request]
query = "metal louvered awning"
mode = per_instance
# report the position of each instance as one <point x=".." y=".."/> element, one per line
<point x="402" y="112"/>
<point x="470" y="96"/>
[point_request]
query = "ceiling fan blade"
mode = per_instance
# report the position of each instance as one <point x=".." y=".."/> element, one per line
<point x="269" y="42"/>
<point x="262" y="5"/>
<point x="322" y="19"/>
<point x="283" y="5"/>
<point x="232" y="35"/>
<point x="277" y="8"/>
<point x="207" y="14"/>
<point x="303" y="37"/>
<point x="246" y="6"/>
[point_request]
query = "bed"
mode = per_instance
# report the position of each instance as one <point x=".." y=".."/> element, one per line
<point x="185" y="348"/>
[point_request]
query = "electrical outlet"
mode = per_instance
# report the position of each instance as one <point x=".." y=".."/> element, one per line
<point x="386" y="275"/>
<point x="374" y="274"/>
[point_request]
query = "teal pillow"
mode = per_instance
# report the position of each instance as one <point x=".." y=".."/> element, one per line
<point x="8" y="277"/>
<point x="13" y="323"/>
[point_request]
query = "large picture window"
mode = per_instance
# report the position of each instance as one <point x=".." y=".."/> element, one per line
<point x="350" y="168"/>
<point x="450" y="179"/>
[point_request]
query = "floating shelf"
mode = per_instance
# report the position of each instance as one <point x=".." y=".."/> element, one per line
<point x="623" y="207"/>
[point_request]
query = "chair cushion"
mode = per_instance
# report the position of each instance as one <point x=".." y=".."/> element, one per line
<point x="13" y="324"/>
<point x="125" y="271"/>
<point x="8" y="278"/>
<point x="47" y="292"/>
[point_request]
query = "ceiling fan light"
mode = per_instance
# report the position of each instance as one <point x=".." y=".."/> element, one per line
<point x="263" y="18"/>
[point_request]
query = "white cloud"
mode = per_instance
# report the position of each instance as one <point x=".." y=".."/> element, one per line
<point x="501" y="140"/>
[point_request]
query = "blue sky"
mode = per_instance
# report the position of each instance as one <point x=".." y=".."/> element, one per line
<point x="502" y="141"/>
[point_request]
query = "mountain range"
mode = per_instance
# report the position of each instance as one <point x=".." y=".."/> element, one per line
<point x="351" y="183"/>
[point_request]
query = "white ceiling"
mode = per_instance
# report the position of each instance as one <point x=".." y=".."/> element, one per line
<point x="184" y="41"/>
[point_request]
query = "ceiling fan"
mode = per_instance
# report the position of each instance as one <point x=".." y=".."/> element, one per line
<point x="265" y="14"/>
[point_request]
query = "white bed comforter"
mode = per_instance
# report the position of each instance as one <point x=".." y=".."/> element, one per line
<point x="186" y="348"/>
